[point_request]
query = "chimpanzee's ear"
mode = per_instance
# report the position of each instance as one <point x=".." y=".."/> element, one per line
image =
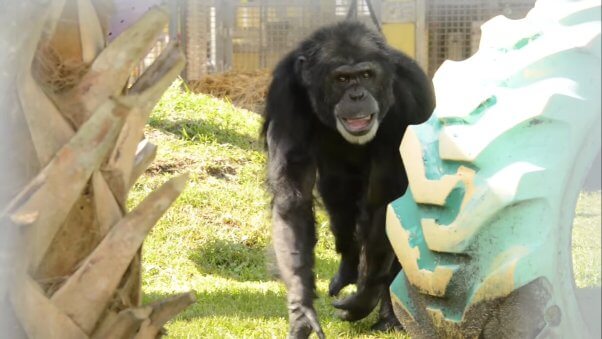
<point x="299" y="64"/>
<point x="301" y="69"/>
<point x="416" y="90"/>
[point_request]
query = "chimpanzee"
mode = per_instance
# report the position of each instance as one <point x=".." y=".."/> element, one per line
<point x="336" y="111"/>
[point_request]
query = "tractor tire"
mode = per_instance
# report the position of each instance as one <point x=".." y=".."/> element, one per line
<point x="483" y="232"/>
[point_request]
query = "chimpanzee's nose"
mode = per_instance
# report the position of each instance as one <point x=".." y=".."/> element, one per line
<point x="356" y="94"/>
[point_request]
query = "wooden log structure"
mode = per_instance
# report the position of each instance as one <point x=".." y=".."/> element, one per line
<point x="77" y="274"/>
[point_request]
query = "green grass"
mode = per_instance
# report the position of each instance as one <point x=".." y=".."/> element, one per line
<point x="213" y="239"/>
<point x="587" y="257"/>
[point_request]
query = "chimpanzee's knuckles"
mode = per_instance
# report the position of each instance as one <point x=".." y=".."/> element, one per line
<point x="335" y="286"/>
<point x="303" y="321"/>
<point x="359" y="305"/>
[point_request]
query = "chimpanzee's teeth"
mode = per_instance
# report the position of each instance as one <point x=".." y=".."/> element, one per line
<point x="366" y="118"/>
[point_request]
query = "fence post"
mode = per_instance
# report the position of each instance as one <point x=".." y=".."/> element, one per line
<point x="421" y="35"/>
<point x="224" y="18"/>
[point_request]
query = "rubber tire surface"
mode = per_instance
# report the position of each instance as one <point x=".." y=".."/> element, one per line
<point x="484" y="231"/>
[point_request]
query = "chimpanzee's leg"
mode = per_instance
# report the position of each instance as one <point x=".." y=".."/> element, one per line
<point x="376" y="254"/>
<point x="376" y="258"/>
<point x="340" y="196"/>
<point x="386" y="317"/>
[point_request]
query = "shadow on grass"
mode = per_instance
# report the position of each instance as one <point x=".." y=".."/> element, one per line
<point x="206" y="130"/>
<point x="221" y="303"/>
<point x="257" y="305"/>
<point x="232" y="260"/>
<point x="240" y="262"/>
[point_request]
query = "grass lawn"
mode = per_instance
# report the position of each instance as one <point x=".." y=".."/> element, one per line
<point x="213" y="239"/>
<point x="587" y="257"/>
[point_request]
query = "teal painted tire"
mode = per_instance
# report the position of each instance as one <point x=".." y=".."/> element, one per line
<point x="484" y="231"/>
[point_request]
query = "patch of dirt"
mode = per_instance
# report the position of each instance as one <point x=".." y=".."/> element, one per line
<point x="219" y="169"/>
<point x="226" y="172"/>
<point x="169" y="166"/>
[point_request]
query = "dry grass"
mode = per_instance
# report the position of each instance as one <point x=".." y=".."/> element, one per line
<point x="56" y="73"/>
<point x="244" y="89"/>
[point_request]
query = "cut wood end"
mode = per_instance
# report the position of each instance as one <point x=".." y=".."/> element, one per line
<point x="25" y="218"/>
<point x="182" y="299"/>
<point x="91" y="34"/>
<point x="19" y="203"/>
<point x="145" y="154"/>
<point x="179" y="182"/>
<point x="189" y="296"/>
<point x="157" y="16"/>
<point x="171" y="60"/>
<point x="164" y="310"/>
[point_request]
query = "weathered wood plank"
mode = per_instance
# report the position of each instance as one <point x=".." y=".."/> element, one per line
<point x="163" y="311"/>
<point x="38" y="316"/>
<point x="86" y="293"/>
<point x="91" y="35"/>
<point x="112" y="67"/>
<point x="63" y="179"/>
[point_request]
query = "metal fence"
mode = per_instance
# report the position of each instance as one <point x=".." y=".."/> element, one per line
<point x="250" y="34"/>
<point x="454" y="26"/>
<point x="244" y="35"/>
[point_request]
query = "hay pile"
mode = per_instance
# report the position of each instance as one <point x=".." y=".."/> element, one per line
<point x="244" y="89"/>
<point x="55" y="73"/>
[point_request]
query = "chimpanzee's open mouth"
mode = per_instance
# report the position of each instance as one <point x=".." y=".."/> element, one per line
<point x="359" y="124"/>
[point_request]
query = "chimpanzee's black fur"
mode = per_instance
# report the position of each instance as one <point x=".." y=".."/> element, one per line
<point x="311" y="137"/>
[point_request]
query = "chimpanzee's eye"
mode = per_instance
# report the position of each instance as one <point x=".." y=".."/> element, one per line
<point x="342" y="78"/>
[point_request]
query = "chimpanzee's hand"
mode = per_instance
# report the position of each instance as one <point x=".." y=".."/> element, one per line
<point x="303" y="320"/>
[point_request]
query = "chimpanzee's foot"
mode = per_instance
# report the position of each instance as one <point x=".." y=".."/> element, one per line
<point x="387" y="321"/>
<point x="386" y="324"/>
<point x="358" y="305"/>
<point x="346" y="275"/>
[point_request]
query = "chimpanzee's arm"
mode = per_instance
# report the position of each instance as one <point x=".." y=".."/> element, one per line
<point x="291" y="178"/>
